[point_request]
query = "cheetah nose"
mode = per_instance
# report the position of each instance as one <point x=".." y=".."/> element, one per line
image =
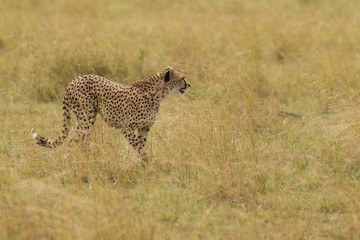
<point x="189" y="84"/>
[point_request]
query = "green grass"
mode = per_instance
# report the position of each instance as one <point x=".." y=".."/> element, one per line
<point x="224" y="164"/>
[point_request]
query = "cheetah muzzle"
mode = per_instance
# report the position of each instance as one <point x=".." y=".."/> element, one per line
<point x="130" y="108"/>
<point x="182" y="90"/>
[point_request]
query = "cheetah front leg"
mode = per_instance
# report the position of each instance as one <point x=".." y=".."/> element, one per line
<point x="143" y="132"/>
<point x="136" y="144"/>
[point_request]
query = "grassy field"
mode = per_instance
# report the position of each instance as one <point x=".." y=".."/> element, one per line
<point x="225" y="163"/>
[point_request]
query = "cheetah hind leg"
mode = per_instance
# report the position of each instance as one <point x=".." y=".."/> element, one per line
<point x="84" y="123"/>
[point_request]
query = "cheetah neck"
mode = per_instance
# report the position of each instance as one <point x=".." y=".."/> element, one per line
<point x="153" y="87"/>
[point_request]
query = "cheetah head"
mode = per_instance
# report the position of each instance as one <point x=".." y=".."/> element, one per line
<point x="175" y="81"/>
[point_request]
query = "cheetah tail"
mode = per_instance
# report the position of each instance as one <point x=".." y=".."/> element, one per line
<point x="45" y="142"/>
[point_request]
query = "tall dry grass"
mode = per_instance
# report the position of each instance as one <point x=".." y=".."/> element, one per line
<point x="224" y="164"/>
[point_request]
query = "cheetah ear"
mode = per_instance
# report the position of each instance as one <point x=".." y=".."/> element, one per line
<point x="169" y="70"/>
<point x="167" y="76"/>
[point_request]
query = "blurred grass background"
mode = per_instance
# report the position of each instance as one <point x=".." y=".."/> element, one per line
<point x="223" y="163"/>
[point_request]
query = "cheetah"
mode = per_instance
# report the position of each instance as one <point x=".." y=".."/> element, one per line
<point x="125" y="107"/>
